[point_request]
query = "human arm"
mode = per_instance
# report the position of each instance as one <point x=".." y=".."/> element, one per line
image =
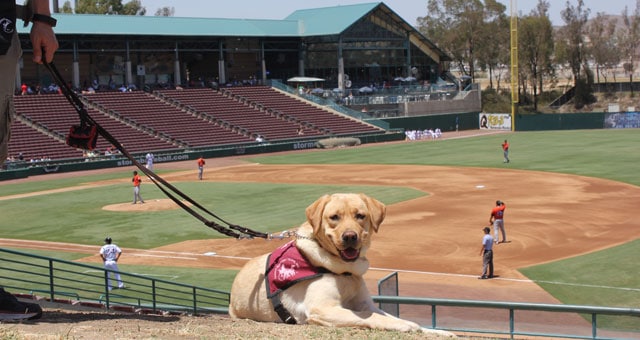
<point x="42" y="36"/>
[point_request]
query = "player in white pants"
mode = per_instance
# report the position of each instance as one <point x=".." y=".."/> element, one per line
<point x="110" y="254"/>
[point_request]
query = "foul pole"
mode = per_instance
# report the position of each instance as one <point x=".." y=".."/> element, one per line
<point x="514" y="63"/>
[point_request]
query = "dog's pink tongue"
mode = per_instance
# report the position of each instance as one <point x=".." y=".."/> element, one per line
<point x="350" y="254"/>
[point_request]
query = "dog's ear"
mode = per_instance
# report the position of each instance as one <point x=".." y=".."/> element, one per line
<point x="315" y="210"/>
<point x="377" y="211"/>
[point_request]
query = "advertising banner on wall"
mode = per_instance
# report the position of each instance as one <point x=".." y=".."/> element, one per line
<point x="494" y="121"/>
<point x="622" y="120"/>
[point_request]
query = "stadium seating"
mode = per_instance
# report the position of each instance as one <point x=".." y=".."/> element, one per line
<point x="174" y="119"/>
<point x="301" y="110"/>
<point x="144" y="109"/>
<point x="54" y="114"/>
<point x="255" y="120"/>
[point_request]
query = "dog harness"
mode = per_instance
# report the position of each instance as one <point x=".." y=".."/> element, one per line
<point x="286" y="266"/>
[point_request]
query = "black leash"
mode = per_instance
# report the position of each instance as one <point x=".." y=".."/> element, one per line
<point x="86" y="120"/>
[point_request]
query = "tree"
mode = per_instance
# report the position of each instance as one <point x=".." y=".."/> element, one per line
<point x="460" y="27"/>
<point x="604" y="47"/>
<point x="535" y="47"/>
<point x="112" y="7"/>
<point x="165" y="12"/>
<point x="572" y="50"/>
<point x="630" y="33"/>
<point x="455" y="25"/>
<point x="494" y="51"/>
<point x="66" y="8"/>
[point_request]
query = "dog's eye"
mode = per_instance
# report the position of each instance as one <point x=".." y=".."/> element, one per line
<point x="360" y="216"/>
<point x="335" y="217"/>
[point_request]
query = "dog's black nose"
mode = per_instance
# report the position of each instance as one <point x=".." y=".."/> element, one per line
<point x="350" y="238"/>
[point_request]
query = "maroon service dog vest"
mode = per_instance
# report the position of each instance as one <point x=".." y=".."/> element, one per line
<point x="286" y="266"/>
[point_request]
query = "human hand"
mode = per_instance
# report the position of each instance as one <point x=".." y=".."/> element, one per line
<point x="43" y="40"/>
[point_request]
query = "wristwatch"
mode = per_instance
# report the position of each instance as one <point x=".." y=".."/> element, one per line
<point x="44" y="19"/>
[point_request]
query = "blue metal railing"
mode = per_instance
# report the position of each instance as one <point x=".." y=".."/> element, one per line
<point x="592" y="311"/>
<point x="60" y="279"/>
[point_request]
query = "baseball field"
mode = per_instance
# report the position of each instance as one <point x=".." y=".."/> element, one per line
<point x="571" y="220"/>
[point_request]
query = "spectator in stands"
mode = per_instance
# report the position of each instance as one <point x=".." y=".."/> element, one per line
<point x="23" y="89"/>
<point x="42" y="38"/>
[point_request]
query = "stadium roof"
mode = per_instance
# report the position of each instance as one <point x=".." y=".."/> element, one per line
<point x="300" y="23"/>
<point x="98" y="24"/>
<point x="314" y="21"/>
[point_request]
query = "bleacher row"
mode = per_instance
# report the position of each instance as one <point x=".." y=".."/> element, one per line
<point x="174" y="119"/>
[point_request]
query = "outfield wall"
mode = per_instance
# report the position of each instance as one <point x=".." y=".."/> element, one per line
<point x="523" y="122"/>
<point x="445" y="122"/>
<point x="559" y="121"/>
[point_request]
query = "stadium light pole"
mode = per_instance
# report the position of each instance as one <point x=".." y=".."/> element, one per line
<point x="514" y="63"/>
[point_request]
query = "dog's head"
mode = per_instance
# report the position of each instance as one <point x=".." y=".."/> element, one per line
<point x="342" y="223"/>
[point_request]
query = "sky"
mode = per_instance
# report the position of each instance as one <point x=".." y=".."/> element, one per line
<point x="409" y="10"/>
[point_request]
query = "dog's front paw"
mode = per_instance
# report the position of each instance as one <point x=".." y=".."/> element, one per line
<point x="410" y="326"/>
<point x="438" y="332"/>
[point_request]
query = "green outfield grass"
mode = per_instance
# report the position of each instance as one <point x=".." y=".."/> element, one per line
<point x="604" y="278"/>
<point x="77" y="216"/>
<point x="611" y="154"/>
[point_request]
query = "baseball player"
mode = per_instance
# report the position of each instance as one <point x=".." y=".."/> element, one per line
<point x="201" y="164"/>
<point x="505" y="151"/>
<point x="487" y="254"/>
<point x="149" y="157"/>
<point x="497" y="219"/>
<point x="110" y="254"/>
<point x="136" y="188"/>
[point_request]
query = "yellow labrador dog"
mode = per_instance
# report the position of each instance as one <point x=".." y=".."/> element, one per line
<point x="317" y="278"/>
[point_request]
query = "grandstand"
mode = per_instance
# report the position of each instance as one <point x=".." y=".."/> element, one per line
<point x="173" y="120"/>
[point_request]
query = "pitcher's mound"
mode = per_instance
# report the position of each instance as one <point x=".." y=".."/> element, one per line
<point x="149" y="205"/>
